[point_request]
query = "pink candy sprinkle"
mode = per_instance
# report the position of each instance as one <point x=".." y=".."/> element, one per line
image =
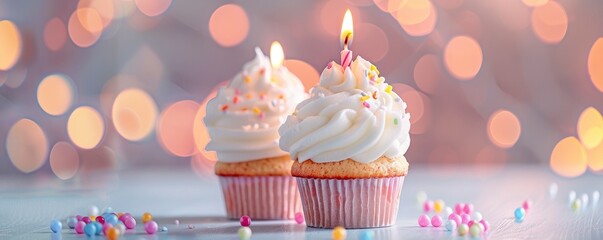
<point x="485" y="224"/>
<point x="151" y="227"/>
<point x="106" y="227"/>
<point x="436" y="221"/>
<point x="427" y="206"/>
<point x="299" y="218"/>
<point x="245" y="221"/>
<point x="79" y="227"/>
<point x="423" y="220"/>
<point x="455" y="217"/>
<point x="130" y="222"/>
<point x="470" y="223"/>
<point x="330" y="65"/>
<point x="86" y="220"/>
<point x="459" y="208"/>
<point x="366" y="105"/>
<point x="526" y="205"/>
<point x="465" y="218"/>
<point x="468" y="209"/>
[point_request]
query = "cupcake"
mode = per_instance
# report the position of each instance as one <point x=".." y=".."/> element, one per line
<point x="243" y="121"/>
<point x="348" y="142"/>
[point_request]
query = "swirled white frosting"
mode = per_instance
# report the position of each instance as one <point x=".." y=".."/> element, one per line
<point x="351" y="114"/>
<point x="244" y="117"/>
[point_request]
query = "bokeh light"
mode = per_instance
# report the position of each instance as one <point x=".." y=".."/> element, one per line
<point x="80" y="34"/>
<point x="105" y="9"/>
<point x="504" y="128"/>
<point x="535" y="3"/>
<point x="389" y="5"/>
<point x="568" y="158"/>
<point x="595" y="158"/>
<point x="229" y="25"/>
<point x="153" y="8"/>
<point x="463" y="57"/>
<point x="514" y="15"/>
<point x="413" y="11"/>
<point x="201" y="135"/>
<point x="595" y="61"/>
<point x="16" y="76"/>
<point x="370" y="42"/>
<point x="449" y="4"/>
<point x="590" y="127"/>
<point x="10" y="44"/>
<point x="304" y="71"/>
<point x="427" y="73"/>
<point x="26" y="145"/>
<point x="175" y="128"/>
<point x="422" y="28"/>
<point x="85" y="127"/>
<point x="55" y="34"/>
<point x="134" y="112"/>
<point x="64" y="160"/>
<point x="331" y="16"/>
<point x="55" y="94"/>
<point x="549" y="22"/>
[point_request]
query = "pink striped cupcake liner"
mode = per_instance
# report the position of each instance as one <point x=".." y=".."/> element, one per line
<point x="261" y="197"/>
<point x="350" y="203"/>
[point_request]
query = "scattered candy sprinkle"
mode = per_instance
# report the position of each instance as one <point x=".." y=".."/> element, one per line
<point x="475" y="230"/>
<point x="427" y="206"/>
<point x="90" y="230"/>
<point x="456" y="218"/>
<point x="106" y="227"/>
<point x="256" y="110"/>
<point x="163" y="229"/>
<point x="262" y="71"/>
<point x="146" y="217"/>
<point x="364" y="98"/>
<point x="79" y="227"/>
<point x="98" y="227"/>
<point x="389" y="89"/>
<point x="375" y="95"/>
<point x="448" y="211"/>
<point x="191" y="226"/>
<point x="71" y="221"/>
<point x="224" y="108"/>
<point x="299" y="218"/>
<point x="477" y="216"/>
<point x="367" y="235"/>
<point x="339" y="233"/>
<point x="56" y="226"/>
<point x="366" y="105"/>
<point x="86" y="219"/>
<point x="485" y="224"/>
<point x="245" y="221"/>
<point x="576" y="205"/>
<point x="130" y="222"/>
<point x="395" y="121"/>
<point x="244" y="233"/>
<point x="113" y="233"/>
<point x="468" y="209"/>
<point x="526" y="205"/>
<point x="438" y="205"/>
<point x="436" y="221"/>
<point x="374" y="68"/>
<point x="100" y="219"/>
<point x="465" y="218"/>
<point x="121" y="227"/>
<point x="330" y="65"/>
<point x="235" y="99"/>
<point x="520" y="213"/>
<point x="177" y="222"/>
<point x="248" y="96"/>
<point x="572" y="196"/>
<point x="111" y="218"/>
<point x="458" y="208"/>
<point x="470" y="223"/>
<point x="423" y="220"/>
<point x="450" y="225"/>
<point x="151" y="227"/>
<point x="93" y="210"/>
<point x="463" y="229"/>
<point x="247" y="79"/>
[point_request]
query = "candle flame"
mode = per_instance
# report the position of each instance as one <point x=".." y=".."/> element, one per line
<point x="347" y="30"/>
<point x="277" y="56"/>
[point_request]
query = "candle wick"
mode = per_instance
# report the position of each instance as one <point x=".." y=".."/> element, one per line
<point x="345" y="42"/>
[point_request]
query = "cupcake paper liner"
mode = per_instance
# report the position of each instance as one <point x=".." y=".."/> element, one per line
<point x="350" y="203"/>
<point x="261" y="197"/>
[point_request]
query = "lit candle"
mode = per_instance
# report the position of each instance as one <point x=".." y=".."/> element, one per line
<point x="277" y="56"/>
<point x="347" y="33"/>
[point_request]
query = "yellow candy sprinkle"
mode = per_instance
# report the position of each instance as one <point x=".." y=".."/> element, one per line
<point x="256" y="110"/>
<point x="92" y="218"/>
<point x="247" y="79"/>
<point x="438" y="206"/>
<point x="273" y="79"/>
<point x="364" y="98"/>
<point x="370" y="75"/>
<point x="373" y="68"/>
<point x="339" y="233"/>
<point x="389" y="89"/>
<point x="380" y="80"/>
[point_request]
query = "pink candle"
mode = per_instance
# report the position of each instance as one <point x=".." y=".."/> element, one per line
<point x="346" y="56"/>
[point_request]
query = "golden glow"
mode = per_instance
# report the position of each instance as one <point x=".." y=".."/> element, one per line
<point x="229" y="25"/>
<point x="427" y="73"/>
<point x="590" y="127"/>
<point x="153" y="8"/>
<point x="134" y="112"/>
<point x="568" y="158"/>
<point x="595" y="158"/>
<point x="80" y="34"/>
<point x="55" y="34"/>
<point x="105" y="9"/>
<point x="347" y="30"/>
<point x="413" y="12"/>
<point x="463" y="57"/>
<point x="549" y="22"/>
<point x="304" y="71"/>
<point x="90" y="19"/>
<point x="277" y="56"/>
<point x="595" y="61"/>
<point x="85" y="127"/>
<point x="422" y="28"/>
<point x="201" y="135"/>
<point x="55" y="94"/>
<point x="10" y="44"/>
<point x="64" y="160"/>
<point x="26" y="145"/>
<point x="535" y="3"/>
<point x="504" y="128"/>
<point x="175" y="128"/>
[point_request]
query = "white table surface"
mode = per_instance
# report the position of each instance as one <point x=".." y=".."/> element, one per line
<point x="29" y="202"/>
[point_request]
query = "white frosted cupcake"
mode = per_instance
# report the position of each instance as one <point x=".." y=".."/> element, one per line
<point x="243" y="121"/>
<point x="349" y="140"/>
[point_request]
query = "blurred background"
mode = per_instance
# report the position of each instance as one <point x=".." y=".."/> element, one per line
<point x="122" y="84"/>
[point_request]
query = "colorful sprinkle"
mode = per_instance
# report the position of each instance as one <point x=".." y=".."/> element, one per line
<point x="256" y="110"/>
<point x="245" y="221"/>
<point x="237" y="92"/>
<point x="146" y="217"/>
<point x="330" y="65"/>
<point x="374" y="68"/>
<point x="475" y="230"/>
<point x="224" y="108"/>
<point x="380" y="80"/>
<point x="450" y="225"/>
<point x="262" y="71"/>
<point x="281" y="96"/>
<point x="456" y="218"/>
<point x="468" y="209"/>
<point x="262" y="96"/>
<point x="299" y="218"/>
<point x="526" y="205"/>
<point x="367" y="235"/>
<point x="151" y="227"/>
<point x="339" y="233"/>
<point x="520" y="213"/>
<point x="248" y="96"/>
<point x="244" y="233"/>
<point x="79" y="227"/>
<point x="55" y="226"/>
<point x="423" y="220"/>
<point x="438" y="205"/>
<point x="436" y="221"/>
<point x="273" y="79"/>
<point x="90" y="230"/>
<point x="463" y="229"/>
<point x="389" y="89"/>
<point x="395" y="121"/>
<point x="375" y="95"/>
<point x="113" y="234"/>
<point x="427" y="206"/>
<point x="247" y="79"/>
<point x="235" y="99"/>
<point x="261" y="115"/>
<point x="364" y="98"/>
<point x="366" y="105"/>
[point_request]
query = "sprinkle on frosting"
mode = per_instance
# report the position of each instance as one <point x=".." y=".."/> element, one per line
<point x="364" y="98"/>
<point x="389" y="89"/>
<point x="366" y="105"/>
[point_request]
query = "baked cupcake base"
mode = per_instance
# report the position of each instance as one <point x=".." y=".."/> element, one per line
<point x="353" y="195"/>
<point x="260" y="189"/>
